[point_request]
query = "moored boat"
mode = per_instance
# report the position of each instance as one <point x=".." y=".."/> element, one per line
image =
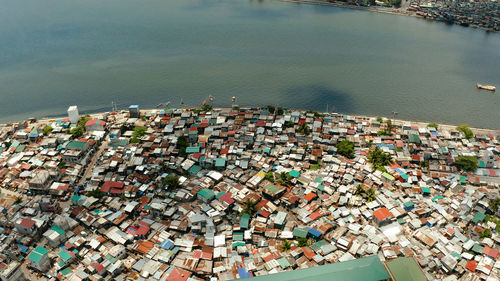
<point x="486" y="87"/>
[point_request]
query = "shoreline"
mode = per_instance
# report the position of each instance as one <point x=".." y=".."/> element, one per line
<point x="395" y="120"/>
<point x="375" y="9"/>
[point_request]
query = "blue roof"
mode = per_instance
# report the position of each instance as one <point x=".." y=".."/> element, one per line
<point x="315" y="232"/>
<point x="243" y="273"/>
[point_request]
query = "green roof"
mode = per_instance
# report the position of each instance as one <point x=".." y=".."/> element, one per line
<point x="271" y="189"/>
<point x="387" y="176"/>
<point x="300" y="232"/>
<point x="405" y="269"/>
<point x="414" y="138"/>
<point x="76" y="145"/>
<point x="426" y="190"/>
<point x="206" y="193"/>
<point x="478" y="217"/>
<point x="366" y="269"/>
<point x="244" y="221"/>
<point x="294" y="174"/>
<point x="283" y="262"/>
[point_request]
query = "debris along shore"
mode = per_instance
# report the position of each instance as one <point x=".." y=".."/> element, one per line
<point x="227" y="193"/>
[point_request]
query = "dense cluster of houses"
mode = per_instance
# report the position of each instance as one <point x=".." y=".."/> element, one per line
<point x="233" y="193"/>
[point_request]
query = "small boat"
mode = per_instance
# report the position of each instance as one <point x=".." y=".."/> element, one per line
<point x="486" y="87"/>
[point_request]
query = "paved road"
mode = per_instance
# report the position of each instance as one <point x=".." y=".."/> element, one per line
<point x="95" y="157"/>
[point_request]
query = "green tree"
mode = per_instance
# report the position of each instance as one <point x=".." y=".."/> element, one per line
<point x="465" y="129"/>
<point x="135" y="139"/>
<point x="140" y="131"/>
<point x="172" y="181"/>
<point x="181" y="145"/>
<point x="433" y="125"/>
<point x="303" y="242"/>
<point x="494" y="204"/>
<point x="249" y="207"/>
<point x="380" y="120"/>
<point x="304" y="129"/>
<point x="270" y="176"/>
<point x="288" y="124"/>
<point x="77" y="132"/>
<point x="96" y="193"/>
<point x="485" y="234"/>
<point x="466" y="163"/>
<point x="285" y="179"/>
<point x="271" y="108"/>
<point x="346" y="148"/>
<point x="18" y="200"/>
<point x="378" y="158"/>
<point x="280" y="111"/>
<point x="61" y="164"/>
<point x="285" y="246"/>
<point x="83" y="120"/>
<point x="47" y="130"/>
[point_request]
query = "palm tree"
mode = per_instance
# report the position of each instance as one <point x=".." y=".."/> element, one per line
<point x="370" y="195"/>
<point x="285" y="246"/>
<point x="249" y="207"/>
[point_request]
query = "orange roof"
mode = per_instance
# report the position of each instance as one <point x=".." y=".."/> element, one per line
<point x="382" y="214"/>
<point x="310" y="196"/>
<point x="471" y="265"/>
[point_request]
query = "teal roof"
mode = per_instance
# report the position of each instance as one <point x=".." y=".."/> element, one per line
<point x="426" y="190"/>
<point x="194" y="169"/>
<point x="193" y="149"/>
<point x="66" y="271"/>
<point x="65" y="255"/>
<point x="58" y="229"/>
<point x="294" y="174"/>
<point x="366" y="269"/>
<point x="220" y="162"/>
<point x="405" y="269"/>
<point x="37" y="254"/>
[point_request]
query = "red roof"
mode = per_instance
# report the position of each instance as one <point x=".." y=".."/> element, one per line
<point x="116" y="186"/>
<point x="491" y="252"/>
<point x="227" y="198"/>
<point x="28" y="223"/>
<point x="178" y="275"/>
<point x="95" y="122"/>
<point x="382" y="214"/>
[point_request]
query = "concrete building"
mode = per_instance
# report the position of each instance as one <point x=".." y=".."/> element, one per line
<point x="73" y="114"/>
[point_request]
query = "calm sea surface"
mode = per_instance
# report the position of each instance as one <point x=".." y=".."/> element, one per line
<point x="55" y="53"/>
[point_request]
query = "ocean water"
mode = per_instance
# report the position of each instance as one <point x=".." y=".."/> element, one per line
<point x="56" y="53"/>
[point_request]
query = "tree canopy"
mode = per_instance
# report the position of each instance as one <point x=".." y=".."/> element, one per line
<point x="172" y="181"/>
<point x="249" y="207"/>
<point x="346" y="148"/>
<point x="465" y="129"/>
<point x="466" y="163"/>
<point x="378" y="158"/>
